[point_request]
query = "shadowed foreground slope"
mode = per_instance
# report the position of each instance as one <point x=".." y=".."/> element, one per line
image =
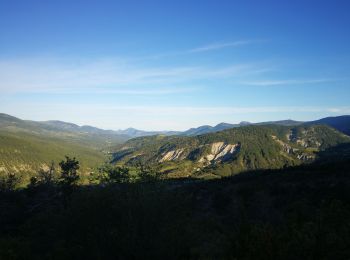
<point x="297" y="213"/>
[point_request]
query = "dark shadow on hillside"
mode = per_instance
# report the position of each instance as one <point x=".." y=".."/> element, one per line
<point x="294" y="213"/>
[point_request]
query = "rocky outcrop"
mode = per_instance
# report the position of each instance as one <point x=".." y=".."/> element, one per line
<point x="306" y="139"/>
<point x="311" y="142"/>
<point x="294" y="151"/>
<point x="172" y="155"/>
<point x="306" y="157"/>
<point x="292" y="136"/>
<point x="220" y="152"/>
<point x="285" y="147"/>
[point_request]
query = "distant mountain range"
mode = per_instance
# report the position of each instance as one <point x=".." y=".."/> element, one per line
<point x="223" y="126"/>
<point x="61" y="129"/>
<point x="54" y="126"/>
<point x="341" y="123"/>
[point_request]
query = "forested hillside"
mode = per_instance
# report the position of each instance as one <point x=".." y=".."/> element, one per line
<point x="27" y="146"/>
<point x="230" y="151"/>
<point x="26" y="154"/>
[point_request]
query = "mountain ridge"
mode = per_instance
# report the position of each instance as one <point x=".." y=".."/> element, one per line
<point x="341" y="123"/>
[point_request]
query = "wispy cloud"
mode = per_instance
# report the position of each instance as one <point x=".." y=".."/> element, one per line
<point x="218" y="46"/>
<point x="204" y="48"/>
<point x="286" y="82"/>
<point x="115" y="75"/>
<point x="180" y="111"/>
<point x="189" y="110"/>
<point x="123" y="77"/>
<point x="136" y="91"/>
<point x="107" y="76"/>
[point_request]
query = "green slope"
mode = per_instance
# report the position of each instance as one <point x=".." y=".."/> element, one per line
<point x="26" y="153"/>
<point x="27" y="146"/>
<point x="251" y="147"/>
<point x="86" y="135"/>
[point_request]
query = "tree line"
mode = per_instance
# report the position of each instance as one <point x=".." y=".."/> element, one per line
<point x="68" y="175"/>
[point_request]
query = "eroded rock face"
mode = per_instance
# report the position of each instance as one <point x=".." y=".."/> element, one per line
<point x="292" y="136"/>
<point x="285" y="147"/>
<point x="307" y="139"/>
<point x="306" y="157"/>
<point x="220" y="152"/>
<point x="172" y="155"/>
<point x="294" y="151"/>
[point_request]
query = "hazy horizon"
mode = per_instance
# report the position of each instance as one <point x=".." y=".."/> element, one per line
<point x="172" y="66"/>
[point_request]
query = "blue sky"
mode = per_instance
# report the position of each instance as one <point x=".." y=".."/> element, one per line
<point x="159" y="65"/>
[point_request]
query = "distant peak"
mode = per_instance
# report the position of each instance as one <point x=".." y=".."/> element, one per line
<point x="223" y="124"/>
<point x="60" y="123"/>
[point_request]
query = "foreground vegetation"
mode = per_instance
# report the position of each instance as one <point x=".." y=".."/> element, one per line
<point x="295" y="213"/>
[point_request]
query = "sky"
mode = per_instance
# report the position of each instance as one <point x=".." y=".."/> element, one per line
<point x="172" y="65"/>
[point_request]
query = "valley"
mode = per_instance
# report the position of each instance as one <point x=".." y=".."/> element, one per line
<point x="174" y="130"/>
<point x="223" y="150"/>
